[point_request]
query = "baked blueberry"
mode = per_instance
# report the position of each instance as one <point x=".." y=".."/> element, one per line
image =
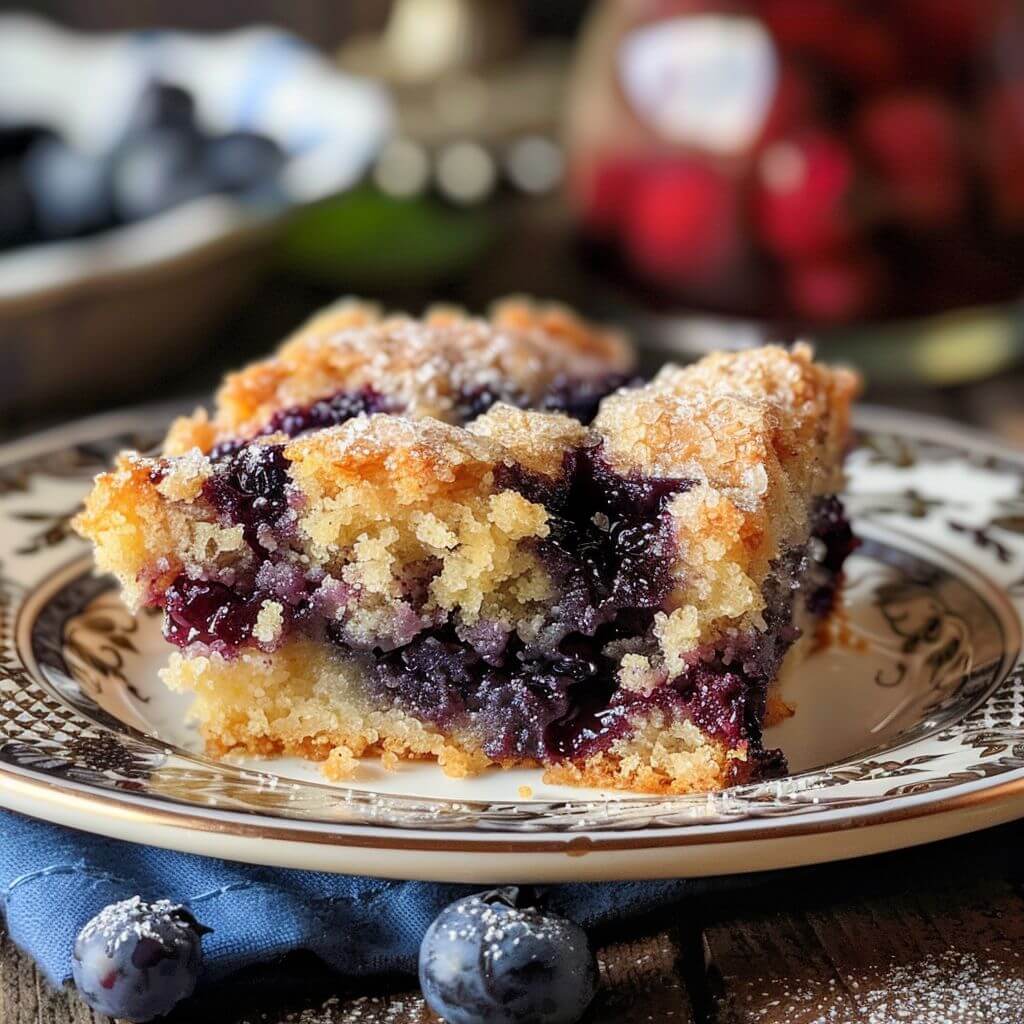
<point x="486" y="960"/>
<point x="137" y="960"/>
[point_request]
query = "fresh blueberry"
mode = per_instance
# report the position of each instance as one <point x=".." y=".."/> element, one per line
<point x="16" y="139"/>
<point x="137" y="960"/>
<point x="17" y="211"/>
<point x="158" y="169"/>
<point x="70" y="189"/>
<point x="162" y="105"/>
<point x="242" y="161"/>
<point x="486" y="960"/>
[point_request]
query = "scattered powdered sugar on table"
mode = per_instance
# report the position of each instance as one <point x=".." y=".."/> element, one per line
<point x="952" y="987"/>
<point x="396" y="1009"/>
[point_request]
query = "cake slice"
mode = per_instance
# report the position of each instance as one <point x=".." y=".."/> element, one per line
<point x="611" y="602"/>
<point x="350" y="360"/>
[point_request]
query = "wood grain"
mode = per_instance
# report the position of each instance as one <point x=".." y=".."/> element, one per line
<point x="936" y="953"/>
<point x="642" y="981"/>
<point x="27" y="998"/>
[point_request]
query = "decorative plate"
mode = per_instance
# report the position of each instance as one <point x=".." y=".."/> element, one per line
<point x="909" y="722"/>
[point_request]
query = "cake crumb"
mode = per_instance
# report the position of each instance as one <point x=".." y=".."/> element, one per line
<point x="184" y="477"/>
<point x="269" y="622"/>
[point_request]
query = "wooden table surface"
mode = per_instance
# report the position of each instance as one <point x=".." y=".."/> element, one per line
<point x="933" y="935"/>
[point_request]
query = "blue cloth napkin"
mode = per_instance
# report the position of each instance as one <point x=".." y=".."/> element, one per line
<point x="53" y="879"/>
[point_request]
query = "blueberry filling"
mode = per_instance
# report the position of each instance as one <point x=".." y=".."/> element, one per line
<point x="249" y="488"/>
<point x="199" y="611"/>
<point x="475" y="401"/>
<point x="610" y="548"/>
<point x="326" y="412"/>
<point x="224" y="618"/>
<point x="609" y="553"/>
<point x="558" y="699"/>
<point x="564" y="703"/>
<point x="578" y="397"/>
<point x="832" y="529"/>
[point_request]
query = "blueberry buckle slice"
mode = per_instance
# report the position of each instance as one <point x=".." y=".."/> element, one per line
<point x="610" y="602"/>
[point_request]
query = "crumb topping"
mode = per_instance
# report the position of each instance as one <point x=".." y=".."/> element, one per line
<point x="439" y="366"/>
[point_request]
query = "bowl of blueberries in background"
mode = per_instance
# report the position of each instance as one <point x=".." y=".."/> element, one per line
<point x="143" y="179"/>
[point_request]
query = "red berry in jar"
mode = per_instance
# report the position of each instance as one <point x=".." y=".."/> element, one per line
<point x="805" y="25"/>
<point x="839" y="36"/>
<point x="793" y="105"/>
<point x="912" y="141"/>
<point x="868" y="52"/>
<point x="949" y="31"/>
<point x="833" y="290"/>
<point x="604" y="187"/>
<point x="813" y="160"/>
<point x="804" y="196"/>
<point x="683" y="225"/>
<point x="1002" y="120"/>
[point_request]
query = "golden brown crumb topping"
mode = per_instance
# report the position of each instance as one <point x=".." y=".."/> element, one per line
<point x="424" y="367"/>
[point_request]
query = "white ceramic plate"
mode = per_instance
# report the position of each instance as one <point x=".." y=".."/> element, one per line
<point x="909" y="723"/>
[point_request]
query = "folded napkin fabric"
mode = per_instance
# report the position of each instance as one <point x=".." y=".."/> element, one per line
<point x="53" y="879"/>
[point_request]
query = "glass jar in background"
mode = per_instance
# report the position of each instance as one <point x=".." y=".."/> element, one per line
<point x="814" y="162"/>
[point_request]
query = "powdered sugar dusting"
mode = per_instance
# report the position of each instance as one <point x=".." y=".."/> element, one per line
<point x="446" y="365"/>
<point x="500" y="926"/>
<point x="366" y="1009"/>
<point x="134" y="919"/>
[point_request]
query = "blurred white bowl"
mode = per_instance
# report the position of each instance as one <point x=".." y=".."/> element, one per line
<point x="102" y="314"/>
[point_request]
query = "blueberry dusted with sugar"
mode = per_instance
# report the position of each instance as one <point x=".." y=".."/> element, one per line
<point x="580" y="397"/>
<point x="137" y="960"/>
<point x="327" y="412"/>
<point x="250" y="487"/>
<point x="486" y="960"/>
